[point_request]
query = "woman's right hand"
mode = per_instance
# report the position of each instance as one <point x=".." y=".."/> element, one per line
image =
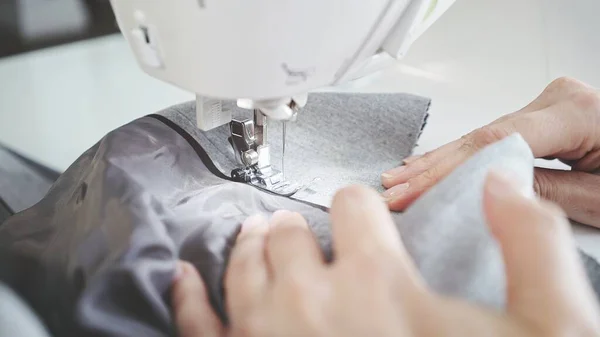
<point x="563" y="123"/>
<point x="278" y="284"/>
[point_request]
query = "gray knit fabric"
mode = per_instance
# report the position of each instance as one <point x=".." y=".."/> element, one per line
<point x="338" y="139"/>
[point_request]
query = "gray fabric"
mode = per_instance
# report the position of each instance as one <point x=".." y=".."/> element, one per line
<point x="592" y="269"/>
<point x="16" y="319"/>
<point x="338" y="140"/>
<point x="113" y="225"/>
<point x="5" y="212"/>
<point x="20" y="185"/>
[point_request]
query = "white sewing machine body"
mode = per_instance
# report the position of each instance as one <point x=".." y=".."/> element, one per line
<point x="268" y="50"/>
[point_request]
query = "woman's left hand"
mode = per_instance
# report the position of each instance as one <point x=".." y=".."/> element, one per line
<point x="562" y="123"/>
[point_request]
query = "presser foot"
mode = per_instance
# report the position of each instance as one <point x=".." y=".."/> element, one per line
<point x="271" y="182"/>
<point x="249" y="141"/>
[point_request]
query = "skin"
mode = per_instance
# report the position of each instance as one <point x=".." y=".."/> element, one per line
<point x="278" y="284"/>
<point x="562" y="123"/>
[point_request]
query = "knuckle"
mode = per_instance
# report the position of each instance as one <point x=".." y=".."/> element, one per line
<point x="561" y="89"/>
<point x="542" y="186"/>
<point x="482" y="137"/>
<point x="546" y="188"/>
<point x="565" y="82"/>
<point x="426" y="158"/>
<point x="427" y="178"/>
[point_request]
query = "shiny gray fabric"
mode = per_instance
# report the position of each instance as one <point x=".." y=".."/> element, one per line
<point x="101" y="246"/>
<point x="21" y="186"/>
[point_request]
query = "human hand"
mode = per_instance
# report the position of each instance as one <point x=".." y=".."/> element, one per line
<point x="194" y="317"/>
<point x="563" y="123"/>
<point x="277" y="283"/>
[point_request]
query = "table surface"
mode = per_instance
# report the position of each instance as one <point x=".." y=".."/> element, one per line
<point x="483" y="59"/>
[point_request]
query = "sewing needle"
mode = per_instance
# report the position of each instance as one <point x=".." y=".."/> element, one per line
<point x="283" y="151"/>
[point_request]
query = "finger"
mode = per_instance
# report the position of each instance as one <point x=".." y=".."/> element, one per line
<point x="534" y="127"/>
<point x="411" y="159"/>
<point x="193" y="314"/>
<point x="547" y="115"/>
<point x="362" y="222"/>
<point x="578" y="193"/>
<point x="415" y="166"/>
<point x="401" y="174"/>
<point x="420" y="175"/>
<point x="364" y="232"/>
<point x="545" y="278"/>
<point x="403" y="195"/>
<point x="247" y="274"/>
<point x="291" y="246"/>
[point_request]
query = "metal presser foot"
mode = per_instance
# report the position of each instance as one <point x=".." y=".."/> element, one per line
<point x="249" y="141"/>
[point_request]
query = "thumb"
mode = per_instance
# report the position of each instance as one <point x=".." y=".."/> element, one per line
<point x="578" y="193"/>
<point x="193" y="314"/>
<point x="545" y="278"/>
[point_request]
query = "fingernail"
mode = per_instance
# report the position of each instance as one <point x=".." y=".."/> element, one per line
<point x="503" y="185"/>
<point x="252" y="222"/>
<point x="395" y="192"/>
<point x="411" y="159"/>
<point x="393" y="172"/>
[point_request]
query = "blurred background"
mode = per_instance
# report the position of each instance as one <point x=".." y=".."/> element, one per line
<point x="27" y="25"/>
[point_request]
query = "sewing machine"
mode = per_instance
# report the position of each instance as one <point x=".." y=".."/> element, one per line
<point x="267" y="55"/>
